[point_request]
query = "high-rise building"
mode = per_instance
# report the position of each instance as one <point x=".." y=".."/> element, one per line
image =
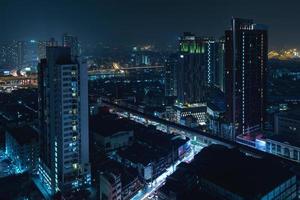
<point x="191" y="70"/>
<point x="211" y="53"/>
<point x="246" y="49"/>
<point x="72" y="42"/>
<point x="63" y="116"/>
<point x="220" y="65"/>
<point x="170" y="76"/>
<point x="31" y="53"/>
<point x="214" y="61"/>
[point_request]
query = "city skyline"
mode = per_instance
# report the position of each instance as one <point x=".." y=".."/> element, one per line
<point x="134" y="22"/>
<point x="145" y="100"/>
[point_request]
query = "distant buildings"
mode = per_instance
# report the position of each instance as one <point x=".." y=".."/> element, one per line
<point x="72" y="42"/>
<point x="63" y="114"/>
<point x="42" y="45"/>
<point x="246" y="48"/>
<point x="12" y="53"/>
<point x="287" y="54"/>
<point x="267" y="178"/>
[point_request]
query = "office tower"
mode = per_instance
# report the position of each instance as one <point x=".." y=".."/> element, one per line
<point x="210" y="59"/>
<point x="42" y="47"/>
<point x="191" y="70"/>
<point x="63" y="116"/>
<point x="31" y="53"/>
<point x="246" y="49"/>
<point x="72" y="42"/>
<point x="170" y="75"/>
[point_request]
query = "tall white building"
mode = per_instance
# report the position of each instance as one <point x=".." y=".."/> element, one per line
<point x="63" y="115"/>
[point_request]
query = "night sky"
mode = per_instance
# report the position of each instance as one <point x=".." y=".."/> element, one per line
<point x="145" y="21"/>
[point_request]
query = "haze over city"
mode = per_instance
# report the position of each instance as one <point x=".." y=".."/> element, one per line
<point x="135" y="22"/>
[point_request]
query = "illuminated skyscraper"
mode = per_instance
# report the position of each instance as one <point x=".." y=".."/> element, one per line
<point x="72" y="42"/>
<point x="214" y="61"/>
<point x="191" y="70"/>
<point x="63" y="116"/>
<point x="246" y="49"/>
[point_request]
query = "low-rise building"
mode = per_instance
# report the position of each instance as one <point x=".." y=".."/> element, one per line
<point x="111" y="134"/>
<point x="285" y="141"/>
<point x="215" y="171"/>
<point x="149" y="162"/>
<point x="189" y="121"/>
<point x="196" y="110"/>
<point x="22" y="146"/>
<point x="284" y="145"/>
<point x="110" y="186"/>
<point x="117" y="182"/>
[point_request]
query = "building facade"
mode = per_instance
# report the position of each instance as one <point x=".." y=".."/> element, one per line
<point x="63" y="116"/>
<point x="246" y="48"/>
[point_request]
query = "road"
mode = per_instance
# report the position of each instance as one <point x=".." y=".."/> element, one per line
<point x="159" y="181"/>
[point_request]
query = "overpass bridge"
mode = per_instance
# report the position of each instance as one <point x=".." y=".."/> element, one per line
<point x="203" y="138"/>
<point x="117" y="69"/>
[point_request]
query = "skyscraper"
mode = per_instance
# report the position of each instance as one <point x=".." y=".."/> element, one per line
<point x="214" y="61"/>
<point x="210" y="60"/>
<point x="170" y="75"/>
<point x="72" y="42"/>
<point x="63" y="116"/>
<point x="191" y="70"/>
<point x="30" y="53"/>
<point x="220" y="66"/>
<point x="246" y="48"/>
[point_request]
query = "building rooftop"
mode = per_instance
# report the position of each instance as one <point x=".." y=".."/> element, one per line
<point x="291" y="139"/>
<point x="144" y="154"/>
<point x="109" y="125"/>
<point x="24" y="134"/>
<point x="159" y="139"/>
<point x="239" y="172"/>
<point x="115" y="168"/>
